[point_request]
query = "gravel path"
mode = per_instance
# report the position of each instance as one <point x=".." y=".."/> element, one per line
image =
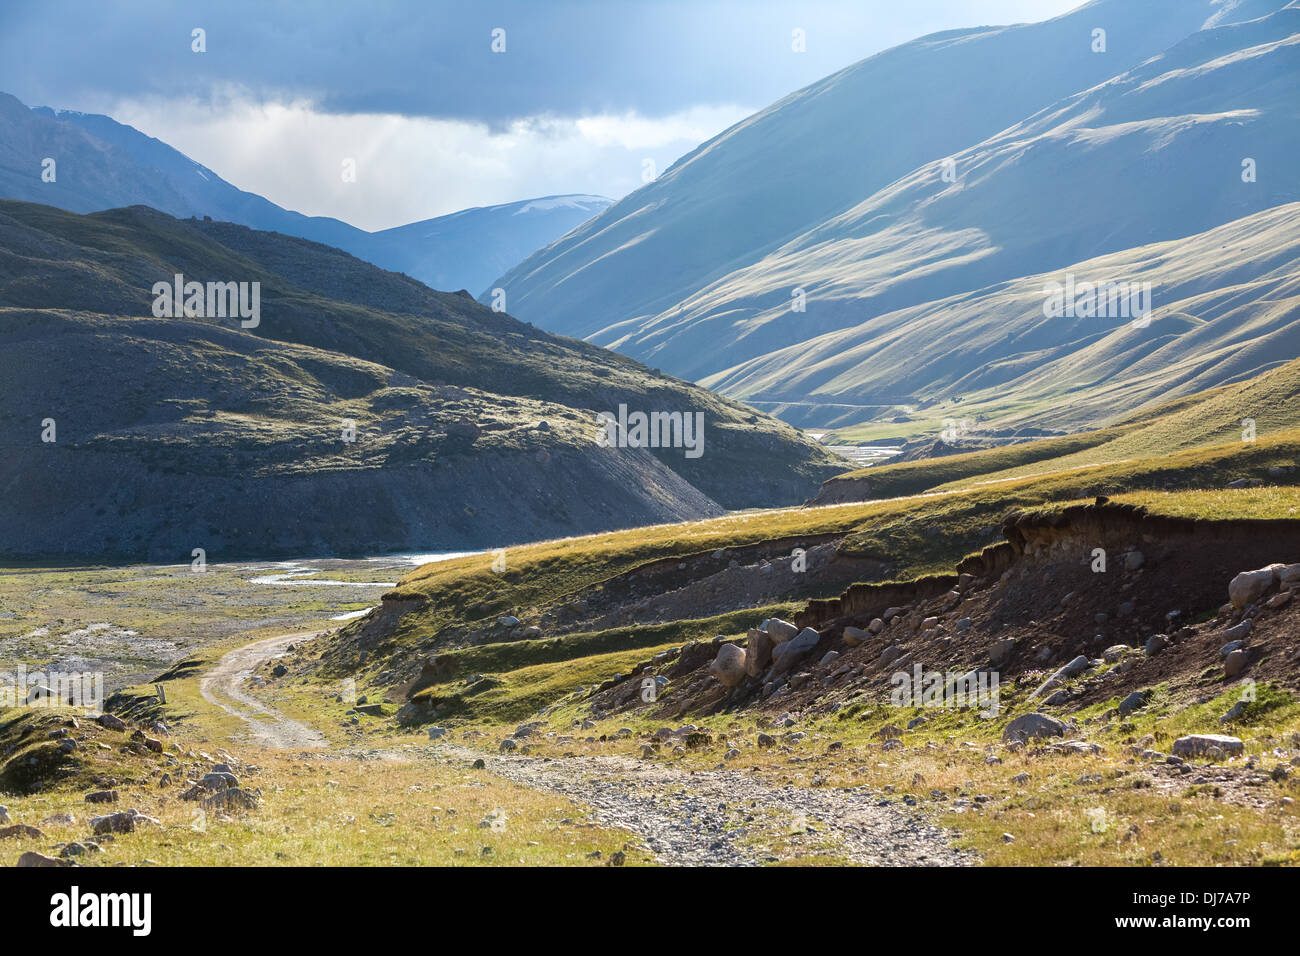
<point x="698" y="819"/>
<point x="704" y="818"/>
<point x="270" y="728"/>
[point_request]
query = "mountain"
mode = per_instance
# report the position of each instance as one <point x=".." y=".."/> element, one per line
<point x="1225" y="307"/>
<point x="1100" y="153"/>
<point x="102" y="164"/>
<point x="468" y="428"/>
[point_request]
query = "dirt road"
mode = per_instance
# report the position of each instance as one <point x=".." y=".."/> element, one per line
<point x="702" y="818"/>
<point x="224" y="686"/>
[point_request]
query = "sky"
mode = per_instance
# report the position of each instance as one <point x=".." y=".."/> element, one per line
<point x="578" y="96"/>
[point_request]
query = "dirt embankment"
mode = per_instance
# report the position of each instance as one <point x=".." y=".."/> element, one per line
<point x="1025" y="607"/>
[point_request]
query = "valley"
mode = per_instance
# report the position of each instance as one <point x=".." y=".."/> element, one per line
<point x="624" y="698"/>
<point x="902" y="470"/>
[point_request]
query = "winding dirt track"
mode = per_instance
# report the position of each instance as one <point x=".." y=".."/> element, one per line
<point x="697" y="818"/>
<point x="224" y="687"/>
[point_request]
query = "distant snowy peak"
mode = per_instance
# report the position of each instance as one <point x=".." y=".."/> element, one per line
<point x="592" y="204"/>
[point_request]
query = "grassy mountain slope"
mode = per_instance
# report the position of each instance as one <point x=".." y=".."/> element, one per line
<point x="1152" y="155"/>
<point x="472" y="428"/>
<point x="1224" y="307"/>
<point x="623" y="276"/>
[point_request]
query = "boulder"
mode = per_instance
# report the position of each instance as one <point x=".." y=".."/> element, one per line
<point x="1249" y="586"/>
<point x="1134" y="701"/>
<point x="218" y="780"/>
<point x="111" y="722"/>
<point x="758" y="651"/>
<point x="876" y="626"/>
<point x="20" y="831"/>
<point x="1031" y="726"/>
<point x="124" y="822"/>
<point x="1235" y="663"/>
<point x="1002" y="649"/>
<point x="786" y="655"/>
<point x="729" y="666"/>
<point x="778" y="630"/>
<point x="1194" y="745"/>
<point x="232" y="799"/>
<point x="1115" y="652"/>
<point x="32" y="858"/>
<point x="853" y="636"/>
<point x="1279" y="600"/>
<point x="1239" y="632"/>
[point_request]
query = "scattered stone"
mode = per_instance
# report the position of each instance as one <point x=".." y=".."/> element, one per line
<point x="853" y="636"/>
<point x="232" y="799"/>
<point x="124" y="822"/>
<point x="32" y="858"/>
<point x="1115" y="653"/>
<point x="111" y="722"/>
<point x="1002" y="649"/>
<point x="1194" y="745"/>
<point x="1235" y="663"/>
<point x="1031" y="726"/>
<point x="20" y="831"/>
<point x="1134" y="701"/>
<point x="1239" y="632"/>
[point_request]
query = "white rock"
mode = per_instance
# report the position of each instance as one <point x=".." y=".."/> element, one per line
<point x="786" y="655"/>
<point x="778" y="630"/>
<point x="1249" y="586"/>
<point x="729" y="666"/>
<point x="853" y="636"/>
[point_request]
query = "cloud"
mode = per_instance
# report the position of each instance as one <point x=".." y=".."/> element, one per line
<point x="412" y="168"/>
